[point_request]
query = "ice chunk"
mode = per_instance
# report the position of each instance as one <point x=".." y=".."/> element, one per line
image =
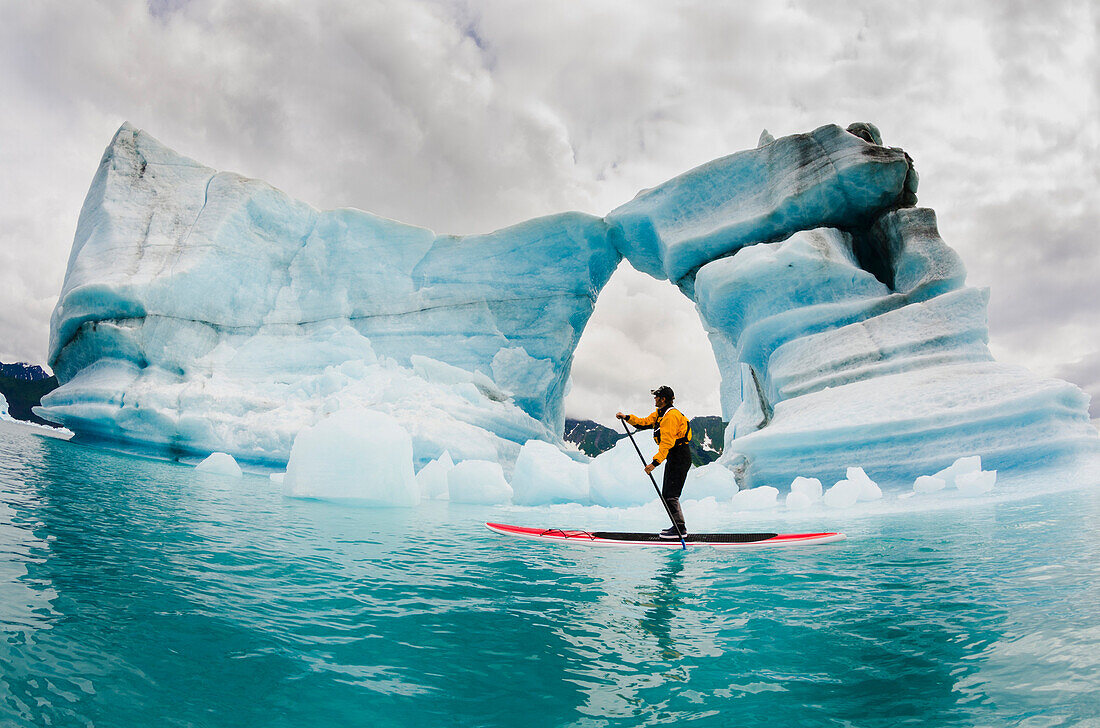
<point x="354" y="454"/>
<point x="976" y="483"/>
<point x="713" y="480"/>
<point x="432" y="478"/>
<point x="220" y="463"/>
<point x="616" y="477"/>
<point x="277" y="478"/>
<point x="868" y="489"/>
<point x="798" y="501"/>
<point x="928" y="484"/>
<point x="809" y="487"/>
<point x="844" y="494"/>
<point x="962" y="466"/>
<point x="544" y="474"/>
<point x="756" y="499"/>
<point x="479" y="482"/>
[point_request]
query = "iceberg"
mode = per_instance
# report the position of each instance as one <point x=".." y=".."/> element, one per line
<point x="206" y="312"/>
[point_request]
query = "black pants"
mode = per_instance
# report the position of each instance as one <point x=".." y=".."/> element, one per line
<point x="677" y="465"/>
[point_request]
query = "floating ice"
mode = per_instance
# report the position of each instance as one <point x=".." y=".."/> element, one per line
<point x="479" y="482"/>
<point x="868" y="489"/>
<point x="962" y="466"/>
<point x="432" y="478"/>
<point x="713" y="480"/>
<point x="965" y="475"/>
<point x="756" y="499"/>
<point x="354" y="454"/>
<point x="928" y="484"/>
<point x="798" y="501"/>
<point x="220" y="463"/>
<point x="808" y="487"/>
<point x="277" y="478"/>
<point x="544" y="474"/>
<point x="616" y="477"/>
<point x="4" y="408"/>
<point x="975" y="483"/>
<point x="844" y="494"/>
<point x="804" y="493"/>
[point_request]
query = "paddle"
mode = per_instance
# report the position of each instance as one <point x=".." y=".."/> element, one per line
<point x="654" y="481"/>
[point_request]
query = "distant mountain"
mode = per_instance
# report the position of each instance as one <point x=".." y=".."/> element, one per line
<point x="26" y="372"/>
<point x="708" y="434"/>
<point x="24" y="386"/>
<point x="591" y="437"/>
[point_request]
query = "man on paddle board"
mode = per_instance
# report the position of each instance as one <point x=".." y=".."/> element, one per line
<point x="672" y="433"/>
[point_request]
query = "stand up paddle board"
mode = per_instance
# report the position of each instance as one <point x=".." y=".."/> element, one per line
<point x="716" y="540"/>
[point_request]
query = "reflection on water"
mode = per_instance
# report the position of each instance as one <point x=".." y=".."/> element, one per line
<point x="665" y="601"/>
<point x="136" y="592"/>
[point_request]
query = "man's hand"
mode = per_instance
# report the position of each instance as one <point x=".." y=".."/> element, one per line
<point x="649" y="468"/>
<point x="621" y="416"/>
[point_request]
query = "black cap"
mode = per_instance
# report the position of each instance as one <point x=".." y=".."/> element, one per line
<point x="664" y="391"/>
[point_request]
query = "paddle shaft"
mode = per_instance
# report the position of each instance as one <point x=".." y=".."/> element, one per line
<point x="654" y="481"/>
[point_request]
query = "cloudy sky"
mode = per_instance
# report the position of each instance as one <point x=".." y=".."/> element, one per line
<point x="471" y="115"/>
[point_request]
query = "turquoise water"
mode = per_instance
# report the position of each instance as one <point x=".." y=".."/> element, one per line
<point x="141" y="593"/>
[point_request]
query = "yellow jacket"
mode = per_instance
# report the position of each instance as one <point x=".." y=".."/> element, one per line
<point x="669" y="429"/>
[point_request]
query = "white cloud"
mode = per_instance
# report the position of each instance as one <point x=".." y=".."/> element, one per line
<point x="467" y="116"/>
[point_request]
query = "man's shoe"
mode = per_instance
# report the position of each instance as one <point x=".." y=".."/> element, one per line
<point x="671" y="533"/>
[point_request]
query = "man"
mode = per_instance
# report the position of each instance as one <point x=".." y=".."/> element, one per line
<point x="672" y="433"/>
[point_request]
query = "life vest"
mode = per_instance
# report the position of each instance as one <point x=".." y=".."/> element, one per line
<point x="657" y="429"/>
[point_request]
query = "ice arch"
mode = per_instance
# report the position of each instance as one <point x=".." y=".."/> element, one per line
<point x="205" y="311"/>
